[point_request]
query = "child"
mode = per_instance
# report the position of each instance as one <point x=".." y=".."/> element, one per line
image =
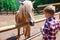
<point x="51" y="25"/>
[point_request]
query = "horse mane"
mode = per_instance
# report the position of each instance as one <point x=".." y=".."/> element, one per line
<point x="28" y="6"/>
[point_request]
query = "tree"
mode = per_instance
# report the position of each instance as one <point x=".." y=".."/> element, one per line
<point x="42" y="2"/>
<point x="8" y="5"/>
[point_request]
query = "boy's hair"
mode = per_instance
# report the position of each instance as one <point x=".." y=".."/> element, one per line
<point x="50" y="9"/>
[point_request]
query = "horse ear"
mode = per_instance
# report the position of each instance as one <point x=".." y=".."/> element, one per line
<point x="21" y="2"/>
<point x="33" y="2"/>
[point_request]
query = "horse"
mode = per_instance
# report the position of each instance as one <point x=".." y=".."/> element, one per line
<point x="25" y="12"/>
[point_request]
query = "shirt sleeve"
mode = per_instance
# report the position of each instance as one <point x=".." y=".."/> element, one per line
<point x="59" y="25"/>
<point x="46" y="28"/>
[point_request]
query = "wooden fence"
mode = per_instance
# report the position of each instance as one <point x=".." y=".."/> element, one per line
<point x="57" y="5"/>
<point x="7" y="13"/>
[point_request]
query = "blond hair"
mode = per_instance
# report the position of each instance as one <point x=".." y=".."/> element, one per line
<point x="50" y="9"/>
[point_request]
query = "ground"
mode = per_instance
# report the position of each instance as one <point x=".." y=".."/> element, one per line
<point x="6" y="20"/>
<point x="11" y="35"/>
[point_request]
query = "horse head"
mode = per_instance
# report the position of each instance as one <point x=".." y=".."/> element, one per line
<point x="26" y="7"/>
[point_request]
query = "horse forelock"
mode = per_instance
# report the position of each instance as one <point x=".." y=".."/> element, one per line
<point x="28" y="5"/>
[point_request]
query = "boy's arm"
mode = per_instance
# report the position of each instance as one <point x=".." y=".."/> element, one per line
<point x="46" y="29"/>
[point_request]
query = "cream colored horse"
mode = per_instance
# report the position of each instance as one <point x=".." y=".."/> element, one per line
<point x="23" y="14"/>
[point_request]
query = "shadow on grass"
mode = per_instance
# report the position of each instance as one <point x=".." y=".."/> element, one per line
<point x="12" y="38"/>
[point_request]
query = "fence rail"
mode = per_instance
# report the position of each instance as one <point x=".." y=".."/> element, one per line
<point x="6" y="12"/>
<point x="33" y="36"/>
<point x="57" y="5"/>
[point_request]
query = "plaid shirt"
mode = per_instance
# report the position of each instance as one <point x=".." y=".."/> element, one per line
<point x="50" y="29"/>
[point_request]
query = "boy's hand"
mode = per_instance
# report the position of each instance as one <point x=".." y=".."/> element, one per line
<point x="42" y="32"/>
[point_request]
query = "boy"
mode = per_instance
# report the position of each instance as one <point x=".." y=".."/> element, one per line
<point x="51" y="25"/>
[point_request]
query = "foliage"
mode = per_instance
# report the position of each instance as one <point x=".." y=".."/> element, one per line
<point x="42" y="2"/>
<point x="8" y="5"/>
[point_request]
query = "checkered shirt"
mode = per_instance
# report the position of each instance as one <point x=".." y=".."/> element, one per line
<point x="50" y="29"/>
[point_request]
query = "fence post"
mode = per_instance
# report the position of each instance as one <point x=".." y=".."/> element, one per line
<point x="0" y="12"/>
<point x="7" y="12"/>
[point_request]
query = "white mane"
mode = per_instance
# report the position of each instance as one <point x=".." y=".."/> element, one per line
<point x="28" y="5"/>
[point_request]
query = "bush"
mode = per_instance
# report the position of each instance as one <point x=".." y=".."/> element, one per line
<point x="8" y="5"/>
<point x="42" y="2"/>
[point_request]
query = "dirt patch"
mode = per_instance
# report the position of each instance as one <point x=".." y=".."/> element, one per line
<point x="7" y="20"/>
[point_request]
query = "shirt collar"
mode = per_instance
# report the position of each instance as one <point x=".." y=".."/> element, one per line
<point x="49" y="19"/>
